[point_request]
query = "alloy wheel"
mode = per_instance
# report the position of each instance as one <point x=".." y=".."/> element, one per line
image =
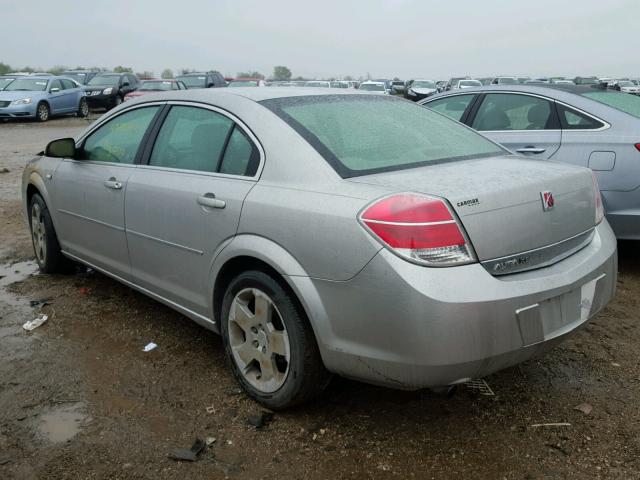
<point x="43" y="112"/>
<point x="259" y="340"/>
<point x="39" y="234"/>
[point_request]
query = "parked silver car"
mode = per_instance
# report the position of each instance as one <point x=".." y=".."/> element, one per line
<point x="582" y="125"/>
<point x="324" y="232"/>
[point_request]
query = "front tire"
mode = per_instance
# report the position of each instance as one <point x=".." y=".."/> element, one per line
<point x="44" y="239"/>
<point x="269" y="342"/>
<point x="43" y="112"/>
<point x="83" y="108"/>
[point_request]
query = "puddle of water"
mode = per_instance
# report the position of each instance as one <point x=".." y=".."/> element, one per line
<point x="16" y="272"/>
<point x="63" y="423"/>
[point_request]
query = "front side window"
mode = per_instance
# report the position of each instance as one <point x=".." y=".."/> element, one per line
<point x="118" y="140"/>
<point x="55" y="84"/>
<point x="453" y="107"/>
<point x="363" y="134"/>
<point x="191" y="139"/>
<point x="67" y="84"/>
<point x="505" y="111"/>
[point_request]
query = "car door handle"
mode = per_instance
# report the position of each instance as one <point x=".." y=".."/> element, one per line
<point x="531" y="150"/>
<point x="210" y="200"/>
<point x="113" y="184"/>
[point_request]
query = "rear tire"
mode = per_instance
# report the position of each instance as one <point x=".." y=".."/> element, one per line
<point x="274" y="354"/>
<point x="44" y="239"/>
<point x="43" y="112"/>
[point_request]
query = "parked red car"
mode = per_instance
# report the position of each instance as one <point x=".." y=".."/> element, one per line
<point x="150" y="86"/>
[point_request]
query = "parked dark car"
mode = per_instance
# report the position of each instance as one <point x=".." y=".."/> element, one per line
<point x="80" y="76"/>
<point x="107" y="90"/>
<point x="202" y="80"/>
<point x="586" y="81"/>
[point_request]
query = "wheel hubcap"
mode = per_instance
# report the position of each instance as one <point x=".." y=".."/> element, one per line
<point x="85" y="109"/>
<point x="43" y="112"/>
<point x="38" y="233"/>
<point x="259" y="340"/>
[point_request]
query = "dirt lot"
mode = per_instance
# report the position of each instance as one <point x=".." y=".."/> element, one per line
<point x="80" y="399"/>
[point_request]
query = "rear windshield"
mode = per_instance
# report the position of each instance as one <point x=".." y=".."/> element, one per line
<point x="621" y="101"/>
<point x="157" y="85"/>
<point x="372" y="87"/>
<point x="363" y="134"/>
<point x="193" y="80"/>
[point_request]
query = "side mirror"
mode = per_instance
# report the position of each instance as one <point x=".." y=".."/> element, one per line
<point x="54" y="90"/>
<point x="61" y="148"/>
<point x="125" y="84"/>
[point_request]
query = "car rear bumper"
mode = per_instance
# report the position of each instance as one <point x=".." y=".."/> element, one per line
<point x="100" y="101"/>
<point x="18" y="111"/>
<point x="402" y="325"/>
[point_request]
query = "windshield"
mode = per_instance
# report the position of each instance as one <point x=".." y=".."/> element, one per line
<point x="339" y="85"/>
<point x="423" y="84"/>
<point x="27" y="84"/>
<point x="621" y="101"/>
<point x="363" y="134"/>
<point x="193" y="80"/>
<point x="109" y="80"/>
<point x="588" y="81"/>
<point x="243" y="83"/>
<point x="4" y="82"/>
<point x="470" y="83"/>
<point x="156" y="85"/>
<point x="316" y="84"/>
<point x="78" y="77"/>
<point x="626" y="84"/>
<point x="372" y="87"/>
<point x="507" y="81"/>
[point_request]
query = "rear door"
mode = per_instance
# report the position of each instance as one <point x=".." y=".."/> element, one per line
<point x="525" y="124"/>
<point x="186" y="201"/>
<point x="90" y="191"/>
<point x="71" y="97"/>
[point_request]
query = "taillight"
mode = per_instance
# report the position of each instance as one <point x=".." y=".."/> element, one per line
<point x="637" y="145"/>
<point x="419" y="228"/>
<point x="598" y="199"/>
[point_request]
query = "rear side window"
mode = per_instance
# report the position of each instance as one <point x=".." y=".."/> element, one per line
<point x="621" y="101"/>
<point x="453" y="107"/>
<point x="191" y="139"/>
<point x="118" y="140"/>
<point x="241" y="156"/>
<point x="571" y="119"/>
<point x="506" y="111"/>
<point x="363" y="134"/>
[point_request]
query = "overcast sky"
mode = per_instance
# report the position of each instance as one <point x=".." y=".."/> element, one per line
<point x="404" y="38"/>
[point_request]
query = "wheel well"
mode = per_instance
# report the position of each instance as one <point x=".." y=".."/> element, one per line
<point x="31" y="191"/>
<point x="234" y="267"/>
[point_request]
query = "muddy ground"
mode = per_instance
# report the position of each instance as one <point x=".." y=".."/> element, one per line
<point x="80" y="399"/>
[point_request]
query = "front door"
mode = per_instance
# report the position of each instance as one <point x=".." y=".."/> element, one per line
<point x="90" y="191"/>
<point x="525" y="124"/>
<point x="186" y="202"/>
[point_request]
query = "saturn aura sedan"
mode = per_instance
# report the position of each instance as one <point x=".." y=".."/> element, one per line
<point x="582" y="125"/>
<point x="408" y="251"/>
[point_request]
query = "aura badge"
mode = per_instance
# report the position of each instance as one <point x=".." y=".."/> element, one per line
<point x="547" y="201"/>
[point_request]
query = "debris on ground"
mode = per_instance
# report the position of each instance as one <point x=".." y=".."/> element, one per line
<point x="84" y="290"/>
<point x="44" y="302"/>
<point x="188" y="454"/>
<point x="35" y="323"/>
<point x="210" y="441"/>
<point x="261" y="420"/>
<point x="149" y="346"/>
<point x="481" y="386"/>
<point x="553" y="424"/>
<point x="211" y="409"/>
<point x="584" y="408"/>
<point x="4" y="170"/>
<point x="5" y="460"/>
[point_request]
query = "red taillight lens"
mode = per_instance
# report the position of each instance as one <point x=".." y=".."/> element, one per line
<point x="598" y="199"/>
<point x="420" y="228"/>
<point x="637" y="145"/>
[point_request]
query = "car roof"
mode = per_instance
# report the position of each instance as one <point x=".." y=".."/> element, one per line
<point x="210" y="95"/>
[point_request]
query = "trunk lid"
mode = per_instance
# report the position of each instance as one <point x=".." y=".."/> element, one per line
<point x="499" y="202"/>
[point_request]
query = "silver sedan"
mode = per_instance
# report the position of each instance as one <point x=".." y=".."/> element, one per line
<point x="581" y="125"/>
<point x="323" y="232"/>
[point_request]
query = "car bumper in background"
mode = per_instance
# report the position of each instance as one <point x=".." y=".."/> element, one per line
<point x="406" y="326"/>
<point x="99" y="101"/>
<point x="18" y="111"/>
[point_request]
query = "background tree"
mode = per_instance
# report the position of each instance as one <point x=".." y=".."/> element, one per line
<point x="250" y="75"/>
<point x="145" y="74"/>
<point x="167" y="73"/>
<point x="281" y="72"/>
<point x="57" y="69"/>
<point x="184" y="71"/>
<point x="121" y="69"/>
<point x="4" y="68"/>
